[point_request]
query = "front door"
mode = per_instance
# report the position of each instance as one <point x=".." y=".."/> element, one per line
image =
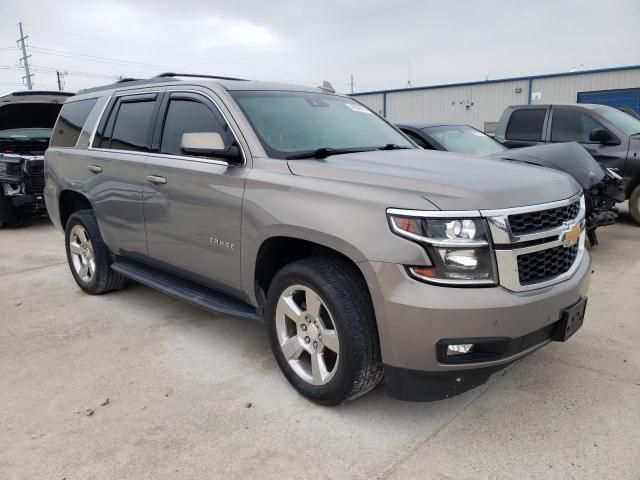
<point x="576" y="125"/>
<point x="193" y="204"/>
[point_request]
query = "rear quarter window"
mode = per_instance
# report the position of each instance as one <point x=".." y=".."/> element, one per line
<point x="526" y="124"/>
<point x="70" y="122"/>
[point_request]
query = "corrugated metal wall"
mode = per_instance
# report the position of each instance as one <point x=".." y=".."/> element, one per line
<point x="470" y="104"/>
<point x="566" y="89"/>
<point x="475" y="104"/>
<point x="375" y="101"/>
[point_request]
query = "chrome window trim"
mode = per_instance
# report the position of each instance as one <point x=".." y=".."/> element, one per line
<point x="169" y="155"/>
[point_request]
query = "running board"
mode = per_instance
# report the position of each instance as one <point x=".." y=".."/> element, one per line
<point x="205" y="298"/>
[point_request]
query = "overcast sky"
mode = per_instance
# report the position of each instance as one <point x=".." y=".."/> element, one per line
<point x="306" y="42"/>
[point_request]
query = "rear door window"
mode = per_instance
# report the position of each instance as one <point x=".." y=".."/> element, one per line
<point x="572" y="125"/>
<point x="70" y="122"/>
<point x="526" y="124"/>
<point x="131" y="127"/>
<point x="128" y="124"/>
<point x="186" y="114"/>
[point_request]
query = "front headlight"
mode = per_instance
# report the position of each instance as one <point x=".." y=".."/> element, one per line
<point x="459" y="248"/>
<point x="9" y="169"/>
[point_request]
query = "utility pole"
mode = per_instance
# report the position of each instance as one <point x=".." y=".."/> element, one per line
<point x="352" y="83"/>
<point x="25" y="58"/>
<point x="60" y="76"/>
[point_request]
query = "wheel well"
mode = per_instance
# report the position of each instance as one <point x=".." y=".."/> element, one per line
<point x="71" y="202"/>
<point x="633" y="183"/>
<point x="276" y="252"/>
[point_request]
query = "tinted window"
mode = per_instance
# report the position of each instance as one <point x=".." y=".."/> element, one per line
<point x="570" y="125"/>
<point x="190" y="116"/>
<point x="417" y="139"/>
<point x="70" y="123"/>
<point x="131" y="127"/>
<point x="526" y="124"/>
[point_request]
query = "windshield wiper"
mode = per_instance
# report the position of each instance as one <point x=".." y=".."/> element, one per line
<point x="392" y="146"/>
<point x="325" y="152"/>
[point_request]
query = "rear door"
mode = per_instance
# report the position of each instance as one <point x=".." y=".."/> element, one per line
<point x="192" y="204"/>
<point x="526" y="127"/>
<point x="575" y="124"/>
<point x="115" y="161"/>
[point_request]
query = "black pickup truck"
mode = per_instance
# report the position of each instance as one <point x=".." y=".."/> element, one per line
<point x="26" y="123"/>
<point x="611" y="136"/>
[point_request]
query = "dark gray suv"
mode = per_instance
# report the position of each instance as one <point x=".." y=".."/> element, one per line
<point x="363" y="254"/>
<point x="610" y="135"/>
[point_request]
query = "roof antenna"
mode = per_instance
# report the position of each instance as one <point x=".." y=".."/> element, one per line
<point x="327" y="87"/>
<point x="409" y="80"/>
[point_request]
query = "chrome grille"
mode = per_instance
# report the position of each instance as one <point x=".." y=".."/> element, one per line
<point x="526" y="223"/>
<point x="542" y="265"/>
<point x="530" y="244"/>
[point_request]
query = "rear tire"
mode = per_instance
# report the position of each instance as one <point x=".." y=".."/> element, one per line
<point x="89" y="258"/>
<point x="634" y="204"/>
<point x="349" y="353"/>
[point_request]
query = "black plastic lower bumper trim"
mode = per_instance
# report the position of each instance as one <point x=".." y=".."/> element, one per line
<point x="424" y="386"/>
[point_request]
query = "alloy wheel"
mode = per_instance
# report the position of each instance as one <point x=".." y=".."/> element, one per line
<point x="307" y="335"/>
<point x="82" y="255"/>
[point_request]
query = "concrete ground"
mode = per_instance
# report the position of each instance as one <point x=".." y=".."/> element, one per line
<point x="179" y="382"/>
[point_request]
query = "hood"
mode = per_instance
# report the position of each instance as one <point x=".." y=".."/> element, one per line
<point x="449" y="181"/>
<point x="571" y="158"/>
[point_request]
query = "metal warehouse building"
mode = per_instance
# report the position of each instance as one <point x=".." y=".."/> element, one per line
<point x="480" y="104"/>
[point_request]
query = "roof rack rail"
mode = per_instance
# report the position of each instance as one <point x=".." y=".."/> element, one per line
<point x="126" y="79"/>
<point x="217" y="77"/>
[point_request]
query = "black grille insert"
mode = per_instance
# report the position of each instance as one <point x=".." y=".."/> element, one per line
<point x="539" y="266"/>
<point x="531" y="222"/>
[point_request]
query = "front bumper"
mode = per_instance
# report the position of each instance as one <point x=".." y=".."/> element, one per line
<point x="413" y="317"/>
<point x="30" y="203"/>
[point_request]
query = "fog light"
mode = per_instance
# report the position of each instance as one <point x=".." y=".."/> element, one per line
<point x="459" y="349"/>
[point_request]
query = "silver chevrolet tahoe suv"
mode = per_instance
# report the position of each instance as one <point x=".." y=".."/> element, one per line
<point x="365" y="256"/>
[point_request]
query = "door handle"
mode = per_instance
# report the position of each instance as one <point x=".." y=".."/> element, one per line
<point x="157" y="180"/>
<point x="94" y="168"/>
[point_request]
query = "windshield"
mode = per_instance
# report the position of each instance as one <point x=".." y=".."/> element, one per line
<point x="625" y="122"/>
<point x="463" y="139"/>
<point x="294" y="123"/>
<point x="26" y="133"/>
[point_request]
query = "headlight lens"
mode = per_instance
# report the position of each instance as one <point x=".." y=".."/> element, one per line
<point x="9" y="169"/>
<point x="459" y="248"/>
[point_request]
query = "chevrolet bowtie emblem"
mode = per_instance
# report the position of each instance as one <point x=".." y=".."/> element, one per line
<point x="571" y="236"/>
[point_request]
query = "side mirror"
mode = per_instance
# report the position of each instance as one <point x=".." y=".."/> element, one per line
<point x="601" y="135"/>
<point x="208" y="144"/>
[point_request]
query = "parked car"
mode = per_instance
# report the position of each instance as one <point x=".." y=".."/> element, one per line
<point x="363" y="254"/>
<point x="26" y="122"/>
<point x="612" y="137"/>
<point x="451" y="138"/>
<point x="602" y="187"/>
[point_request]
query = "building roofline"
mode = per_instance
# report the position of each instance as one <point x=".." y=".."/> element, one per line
<point x="500" y="80"/>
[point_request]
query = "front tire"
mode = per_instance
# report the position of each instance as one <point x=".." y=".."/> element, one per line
<point x="89" y="258"/>
<point x="322" y="330"/>
<point x="634" y="204"/>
